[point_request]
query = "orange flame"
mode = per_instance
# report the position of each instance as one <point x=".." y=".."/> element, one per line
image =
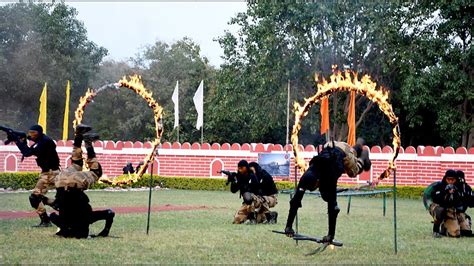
<point x="347" y="82"/>
<point x="135" y="85"/>
<point x="83" y="102"/>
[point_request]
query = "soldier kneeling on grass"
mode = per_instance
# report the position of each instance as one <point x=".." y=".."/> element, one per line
<point x="266" y="196"/>
<point x="75" y="213"/>
<point x="449" y="203"/>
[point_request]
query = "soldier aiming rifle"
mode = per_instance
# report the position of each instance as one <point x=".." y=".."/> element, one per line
<point x="47" y="159"/>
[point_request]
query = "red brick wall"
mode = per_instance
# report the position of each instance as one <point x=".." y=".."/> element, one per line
<point x="415" y="166"/>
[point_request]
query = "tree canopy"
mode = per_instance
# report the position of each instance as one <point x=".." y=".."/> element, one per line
<point x="422" y="52"/>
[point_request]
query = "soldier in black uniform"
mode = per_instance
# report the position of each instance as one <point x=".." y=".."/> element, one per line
<point x="449" y="206"/>
<point x="266" y="196"/>
<point x="324" y="170"/>
<point x="245" y="182"/>
<point x="47" y="159"/>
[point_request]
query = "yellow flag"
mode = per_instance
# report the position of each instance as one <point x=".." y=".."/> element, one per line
<point x="66" y="112"/>
<point x="43" y="101"/>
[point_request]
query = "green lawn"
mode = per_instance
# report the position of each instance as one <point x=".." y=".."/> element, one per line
<point x="208" y="236"/>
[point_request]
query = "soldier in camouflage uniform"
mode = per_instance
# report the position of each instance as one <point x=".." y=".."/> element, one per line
<point x="266" y="196"/>
<point x="75" y="212"/>
<point x="47" y="159"/>
<point x="245" y="182"/>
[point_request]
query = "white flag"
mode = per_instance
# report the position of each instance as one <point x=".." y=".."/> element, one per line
<point x="199" y="104"/>
<point x="175" y="99"/>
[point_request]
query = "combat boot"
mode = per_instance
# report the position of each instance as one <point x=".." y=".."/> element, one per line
<point x="271" y="217"/>
<point x="252" y="218"/>
<point x="81" y="129"/>
<point x="108" y="223"/>
<point x="89" y="138"/>
<point x="45" y="222"/>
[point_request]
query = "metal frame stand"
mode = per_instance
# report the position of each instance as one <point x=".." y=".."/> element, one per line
<point x="149" y="198"/>
<point x="395" y="211"/>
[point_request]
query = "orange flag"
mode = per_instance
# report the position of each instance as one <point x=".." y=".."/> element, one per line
<point x="324" y="110"/>
<point x="351" y="136"/>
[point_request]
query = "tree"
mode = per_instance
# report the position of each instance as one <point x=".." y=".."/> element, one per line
<point x="421" y="52"/>
<point x="278" y="42"/>
<point x="162" y="65"/>
<point x="42" y="43"/>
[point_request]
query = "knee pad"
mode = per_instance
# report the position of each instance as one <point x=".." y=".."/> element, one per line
<point x="98" y="171"/>
<point x="35" y="200"/>
<point x="248" y="198"/>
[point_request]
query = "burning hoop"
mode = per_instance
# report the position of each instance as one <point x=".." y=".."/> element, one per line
<point x="346" y="82"/>
<point x="135" y="85"/>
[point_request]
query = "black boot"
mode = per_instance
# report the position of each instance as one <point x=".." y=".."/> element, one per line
<point x="271" y="217"/>
<point x="108" y="223"/>
<point x="82" y="129"/>
<point x="252" y="218"/>
<point x="467" y="233"/>
<point x="436" y="233"/>
<point x="90" y="137"/>
<point x="45" y="222"/>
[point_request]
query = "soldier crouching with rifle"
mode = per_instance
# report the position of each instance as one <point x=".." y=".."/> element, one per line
<point x="47" y="159"/>
<point x="245" y="182"/>
<point x="75" y="212"/>
<point x="266" y="197"/>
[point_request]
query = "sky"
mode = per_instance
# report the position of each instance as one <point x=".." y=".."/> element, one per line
<point x="125" y="28"/>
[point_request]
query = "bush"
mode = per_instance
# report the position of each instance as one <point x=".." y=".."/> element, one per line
<point x="27" y="180"/>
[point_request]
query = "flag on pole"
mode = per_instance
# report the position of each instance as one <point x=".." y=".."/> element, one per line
<point x="175" y="99"/>
<point x="324" y="110"/>
<point x="351" y="139"/>
<point x="66" y="112"/>
<point x="42" y="110"/>
<point x="199" y="104"/>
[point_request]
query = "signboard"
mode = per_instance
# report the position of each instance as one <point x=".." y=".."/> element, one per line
<point x="276" y="164"/>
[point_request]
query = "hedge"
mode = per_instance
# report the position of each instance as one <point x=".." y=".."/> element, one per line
<point x="27" y="180"/>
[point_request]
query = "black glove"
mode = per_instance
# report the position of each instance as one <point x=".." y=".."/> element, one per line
<point x="450" y="187"/>
<point x="231" y="178"/>
<point x="289" y="232"/>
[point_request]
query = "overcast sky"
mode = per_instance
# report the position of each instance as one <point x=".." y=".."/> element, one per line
<point x="124" y="28"/>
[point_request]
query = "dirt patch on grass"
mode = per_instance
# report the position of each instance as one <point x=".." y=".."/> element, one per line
<point x="132" y="209"/>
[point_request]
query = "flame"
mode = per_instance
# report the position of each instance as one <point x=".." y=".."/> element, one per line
<point x="134" y="84"/>
<point x="348" y="81"/>
<point x="83" y="102"/>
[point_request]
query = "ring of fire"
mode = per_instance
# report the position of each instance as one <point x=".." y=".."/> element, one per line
<point x="135" y="85"/>
<point x="346" y="82"/>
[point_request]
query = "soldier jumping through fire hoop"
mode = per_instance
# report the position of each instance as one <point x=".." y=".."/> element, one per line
<point x="75" y="212"/>
<point x="324" y="171"/>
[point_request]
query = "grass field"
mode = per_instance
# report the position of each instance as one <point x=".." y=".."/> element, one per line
<point x="208" y="236"/>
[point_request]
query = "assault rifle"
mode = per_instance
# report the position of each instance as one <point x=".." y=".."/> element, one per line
<point x="12" y="135"/>
<point x="230" y="176"/>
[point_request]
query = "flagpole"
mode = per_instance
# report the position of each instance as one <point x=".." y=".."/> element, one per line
<point x="202" y="134"/>
<point x="288" y="114"/>
<point x="178" y="133"/>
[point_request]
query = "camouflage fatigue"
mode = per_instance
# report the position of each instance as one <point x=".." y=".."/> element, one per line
<point x="352" y="164"/>
<point x="45" y="182"/>
<point x="243" y="213"/>
<point x="454" y="221"/>
<point x="261" y="204"/>
<point x="74" y="177"/>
